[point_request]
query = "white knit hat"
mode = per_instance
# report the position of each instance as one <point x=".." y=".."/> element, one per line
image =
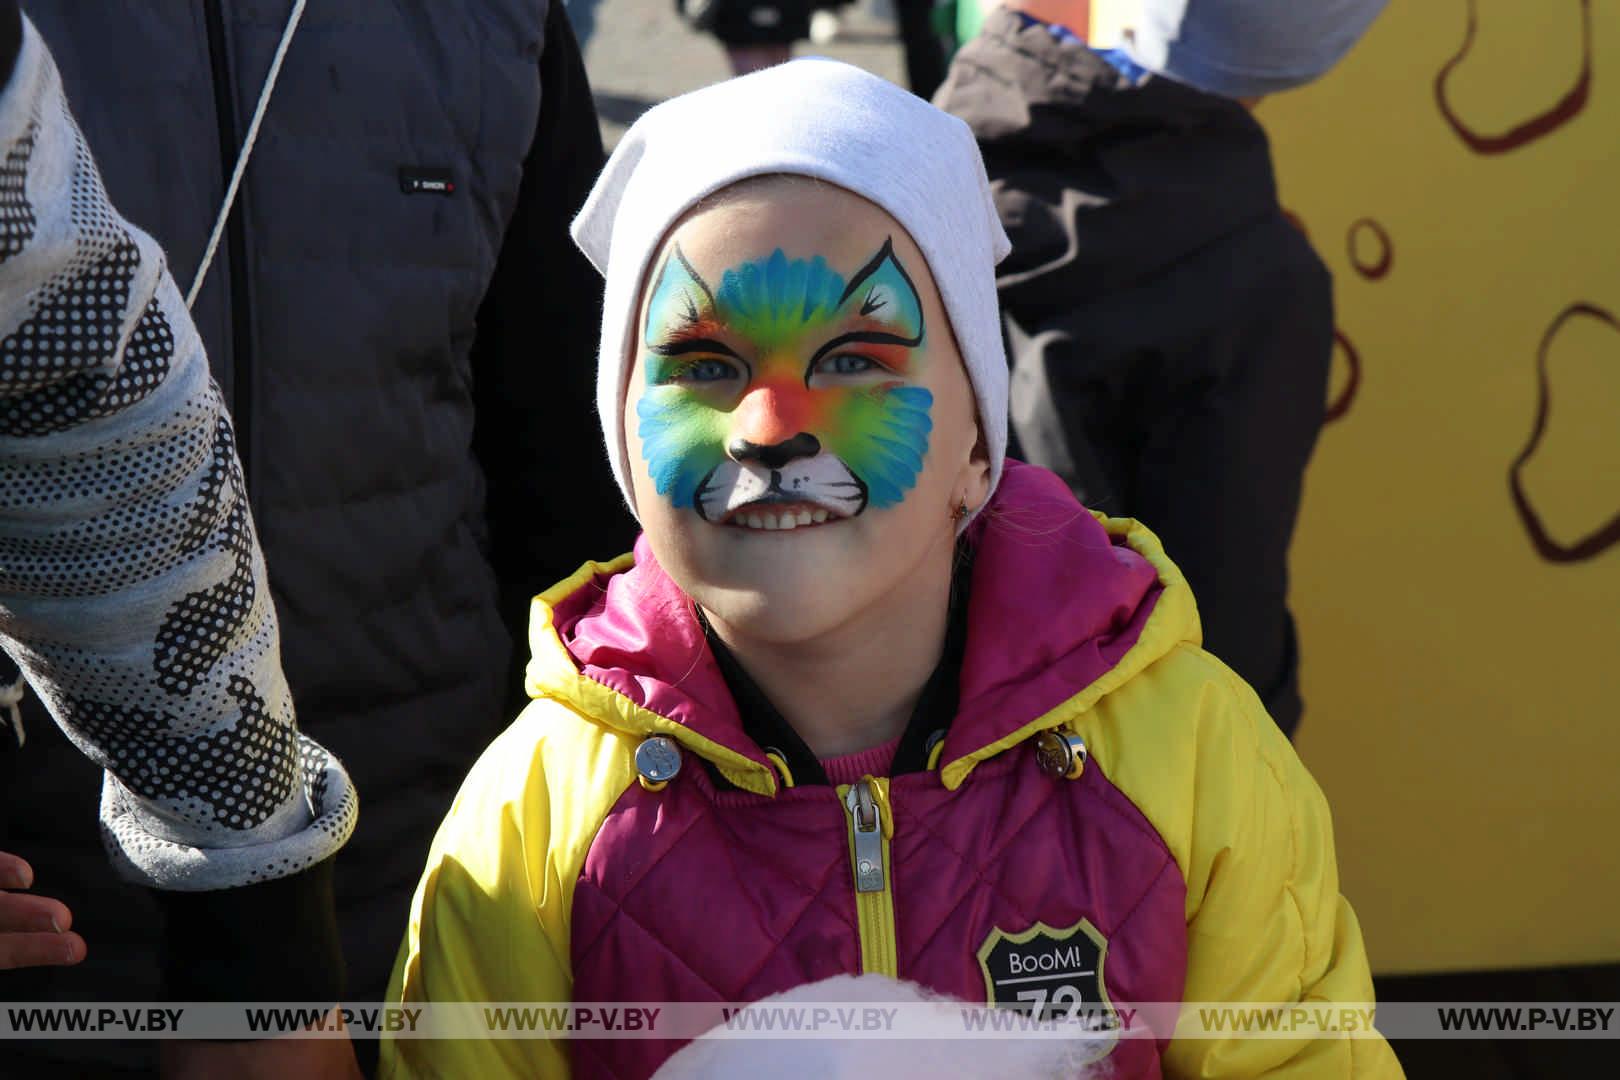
<point x="813" y="117"/>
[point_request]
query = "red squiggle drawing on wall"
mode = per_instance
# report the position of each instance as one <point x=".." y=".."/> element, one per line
<point x="1379" y="265"/>
<point x="1352" y="383"/>
<point x="1561" y="113"/>
<point x="1605" y="535"/>
<point x="1373" y="269"/>
<point x="1339" y="403"/>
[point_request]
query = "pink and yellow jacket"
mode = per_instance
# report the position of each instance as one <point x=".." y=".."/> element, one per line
<point x="1191" y="858"/>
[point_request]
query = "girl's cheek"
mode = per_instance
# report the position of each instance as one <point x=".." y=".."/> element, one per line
<point x="681" y="441"/>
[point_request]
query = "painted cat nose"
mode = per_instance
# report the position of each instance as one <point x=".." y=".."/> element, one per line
<point x="775" y="455"/>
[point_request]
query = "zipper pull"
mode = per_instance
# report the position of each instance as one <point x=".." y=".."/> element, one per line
<point x="866" y="826"/>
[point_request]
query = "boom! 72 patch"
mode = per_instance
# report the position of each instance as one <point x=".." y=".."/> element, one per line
<point x="1051" y="974"/>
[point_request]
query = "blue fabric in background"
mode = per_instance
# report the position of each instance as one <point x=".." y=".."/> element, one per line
<point x="582" y="13"/>
<point x="1248" y="48"/>
<point x="1116" y="58"/>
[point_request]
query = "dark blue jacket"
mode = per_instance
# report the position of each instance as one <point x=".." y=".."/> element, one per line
<point x="385" y="345"/>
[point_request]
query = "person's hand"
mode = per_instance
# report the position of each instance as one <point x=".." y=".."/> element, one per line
<point x="33" y="929"/>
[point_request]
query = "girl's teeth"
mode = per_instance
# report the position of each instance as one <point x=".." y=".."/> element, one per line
<point x="790" y="519"/>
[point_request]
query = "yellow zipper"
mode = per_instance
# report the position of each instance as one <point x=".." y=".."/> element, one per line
<point x="871" y="824"/>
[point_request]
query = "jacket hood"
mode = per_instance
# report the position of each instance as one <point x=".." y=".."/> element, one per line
<point x="1065" y="607"/>
<point x="1156" y="170"/>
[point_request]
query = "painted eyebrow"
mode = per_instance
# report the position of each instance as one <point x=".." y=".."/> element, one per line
<point x="683" y="346"/>
<point x="869" y="337"/>
<point x="866" y="337"/>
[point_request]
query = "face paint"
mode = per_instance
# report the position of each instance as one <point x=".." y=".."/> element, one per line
<point x="784" y="386"/>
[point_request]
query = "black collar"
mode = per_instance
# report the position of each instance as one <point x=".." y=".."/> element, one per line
<point x="932" y="715"/>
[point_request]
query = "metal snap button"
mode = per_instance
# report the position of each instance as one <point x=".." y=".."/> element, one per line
<point x="1060" y="754"/>
<point x="658" y="761"/>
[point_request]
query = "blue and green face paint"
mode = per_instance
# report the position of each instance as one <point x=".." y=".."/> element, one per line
<point x="786" y="385"/>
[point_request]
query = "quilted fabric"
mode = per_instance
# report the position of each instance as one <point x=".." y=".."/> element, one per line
<point x="1194" y="843"/>
<point x="697" y="894"/>
<point x="693" y="894"/>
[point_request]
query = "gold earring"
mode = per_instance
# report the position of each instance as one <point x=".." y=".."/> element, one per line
<point x="961" y="510"/>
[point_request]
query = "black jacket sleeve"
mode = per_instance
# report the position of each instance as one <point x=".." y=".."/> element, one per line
<point x="10" y="38"/>
<point x="270" y="941"/>
<point x="552" y="501"/>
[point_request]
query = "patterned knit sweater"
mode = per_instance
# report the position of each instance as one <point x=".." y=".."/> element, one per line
<point x="132" y="590"/>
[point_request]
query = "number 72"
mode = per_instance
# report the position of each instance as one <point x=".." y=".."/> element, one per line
<point x="1066" y="994"/>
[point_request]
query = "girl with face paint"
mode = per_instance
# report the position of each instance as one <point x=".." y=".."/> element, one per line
<point x="866" y="699"/>
<point x="807" y="443"/>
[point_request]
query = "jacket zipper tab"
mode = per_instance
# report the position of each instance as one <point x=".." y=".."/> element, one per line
<point x="871" y="823"/>
<point x="866" y="827"/>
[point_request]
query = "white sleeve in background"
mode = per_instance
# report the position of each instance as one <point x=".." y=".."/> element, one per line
<point x="132" y="590"/>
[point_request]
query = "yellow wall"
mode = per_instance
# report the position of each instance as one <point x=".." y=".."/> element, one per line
<point x="1463" y="691"/>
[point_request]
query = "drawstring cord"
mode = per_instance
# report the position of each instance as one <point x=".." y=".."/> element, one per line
<point x="10" y="699"/>
<point x="246" y="152"/>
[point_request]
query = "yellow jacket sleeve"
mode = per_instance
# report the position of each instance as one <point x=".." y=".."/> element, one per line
<point x="490" y="919"/>
<point x="1251" y="832"/>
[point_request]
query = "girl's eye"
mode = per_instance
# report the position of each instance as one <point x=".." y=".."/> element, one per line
<point x="706" y="371"/>
<point x="846" y="364"/>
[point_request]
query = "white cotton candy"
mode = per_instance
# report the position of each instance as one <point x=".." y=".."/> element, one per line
<point x="717" y="1057"/>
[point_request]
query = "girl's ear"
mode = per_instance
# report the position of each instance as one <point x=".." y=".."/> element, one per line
<point x="974" y="482"/>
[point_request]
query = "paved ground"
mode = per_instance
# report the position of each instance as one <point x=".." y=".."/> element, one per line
<point x="641" y="53"/>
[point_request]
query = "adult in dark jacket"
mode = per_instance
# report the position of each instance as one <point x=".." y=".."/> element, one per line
<point x="393" y="305"/>
<point x="1170" y="330"/>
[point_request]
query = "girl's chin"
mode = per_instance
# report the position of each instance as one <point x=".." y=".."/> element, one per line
<point x="775" y="614"/>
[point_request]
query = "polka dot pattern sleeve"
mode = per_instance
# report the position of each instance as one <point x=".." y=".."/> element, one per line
<point x="132" y="590"/>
